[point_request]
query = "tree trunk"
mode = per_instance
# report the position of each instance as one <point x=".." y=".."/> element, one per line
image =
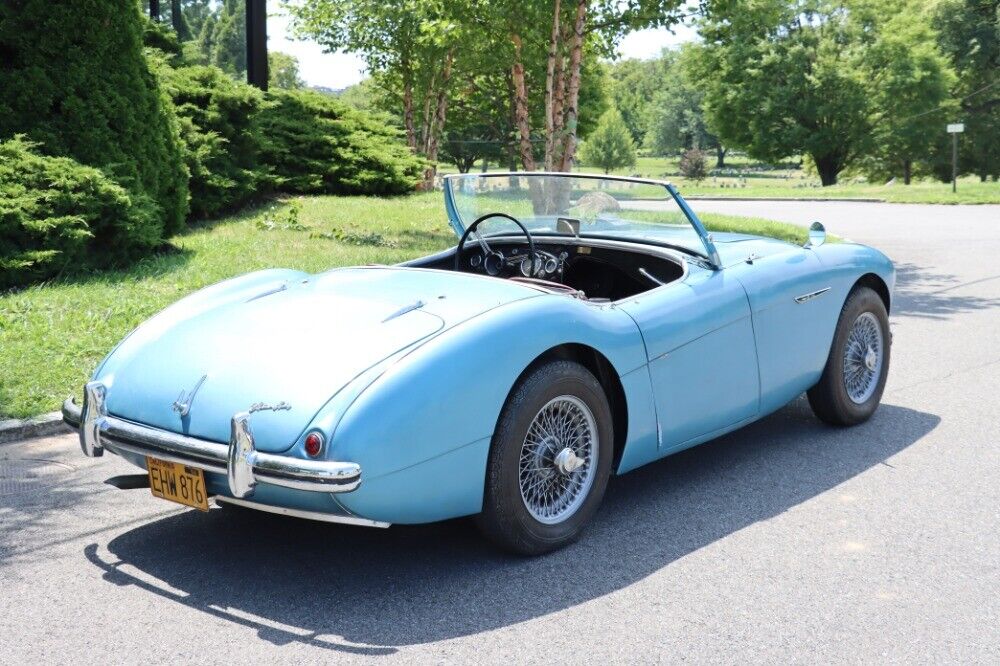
<point x="177" y="19"/>
<point x="720" y="157"/>
<point x="437" y="122"/>
<point x="411" y="133"/>
<point x="559" y="97"/>
<point x="907" y="171"/>
<point x="573" y="87"/>
<point x="425" y="127"/>
<point x="828" y="167"/>
<point x="550" y="72"/>
<point x="521" y="106"/>
<point x="512" y="143"/>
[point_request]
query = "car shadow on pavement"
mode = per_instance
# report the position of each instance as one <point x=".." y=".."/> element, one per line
<point x="367" y="591"/>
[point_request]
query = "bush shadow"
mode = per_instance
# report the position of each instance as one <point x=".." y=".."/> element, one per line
<point x="925" y="292"/>
<point x="367" y="591"/>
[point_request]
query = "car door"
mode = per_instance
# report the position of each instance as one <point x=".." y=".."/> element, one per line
<point x="794" y="318"/>
<point x="702" y="357"/>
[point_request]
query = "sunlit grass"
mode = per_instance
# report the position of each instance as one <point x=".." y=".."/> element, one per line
<point x="53" y="335"/>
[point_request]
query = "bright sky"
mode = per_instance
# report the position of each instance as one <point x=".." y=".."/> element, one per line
<point x="339" y="70"/>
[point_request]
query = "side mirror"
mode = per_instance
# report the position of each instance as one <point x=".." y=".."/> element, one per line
<point x="817" y="235"/>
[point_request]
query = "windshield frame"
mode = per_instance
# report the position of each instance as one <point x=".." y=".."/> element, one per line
<point x="711" y="254"/>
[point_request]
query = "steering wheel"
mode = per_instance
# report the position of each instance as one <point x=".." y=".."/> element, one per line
<point x="492" y="260"/>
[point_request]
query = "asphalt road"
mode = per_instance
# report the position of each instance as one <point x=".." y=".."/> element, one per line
<point x="788" y="541"/>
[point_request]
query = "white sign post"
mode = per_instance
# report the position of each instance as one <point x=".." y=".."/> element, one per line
<point x="954" y="129"/>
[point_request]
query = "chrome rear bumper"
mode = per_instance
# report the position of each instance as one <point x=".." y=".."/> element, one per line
<point x="243" y="465"/>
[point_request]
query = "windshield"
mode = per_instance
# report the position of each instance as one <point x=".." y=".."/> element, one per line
<point x="576" y="205"/>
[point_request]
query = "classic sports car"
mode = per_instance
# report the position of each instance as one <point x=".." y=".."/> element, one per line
<point x="582" y="326"/>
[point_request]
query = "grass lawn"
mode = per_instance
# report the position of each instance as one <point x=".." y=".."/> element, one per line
<point x="53" y="335"/>
<point x="791" y="183"/>
<point x="970" y="190"/>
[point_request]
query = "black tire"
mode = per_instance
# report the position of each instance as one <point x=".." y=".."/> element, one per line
<point x="830" y="399"/>
<point x="506" y="519"/>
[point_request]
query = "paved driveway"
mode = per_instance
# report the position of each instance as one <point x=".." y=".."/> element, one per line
<point x="787" y="541"/>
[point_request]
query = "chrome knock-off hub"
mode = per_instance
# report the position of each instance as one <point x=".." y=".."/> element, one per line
<point x="567" y="462"/>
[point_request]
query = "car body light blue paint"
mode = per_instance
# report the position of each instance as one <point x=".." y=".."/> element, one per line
<point x="299" y="346"/>
<point x="463" y="376"/>
<point x="643" y="444"/>
<point x="707" y="384"/>
<point x="702" y="357"/>
<point x="793" y="339"/>
<point x="446" y="486"/>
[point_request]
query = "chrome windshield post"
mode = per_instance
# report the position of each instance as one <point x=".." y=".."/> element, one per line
<point x="242" y="456"/>
<point x="91" y="419"/>
<point x="706" y="238"/>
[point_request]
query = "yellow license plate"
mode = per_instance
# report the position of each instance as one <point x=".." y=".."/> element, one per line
<point x="177" y="483"/>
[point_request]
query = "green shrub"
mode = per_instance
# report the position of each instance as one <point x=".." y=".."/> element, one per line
<point x="160" y="36"/>
<point x="693" y="165"/>
<point x="312" y="143"/>
<point x="218" y="120"/>
<point x="56" y="214"/>
<point x="74" y="79"/>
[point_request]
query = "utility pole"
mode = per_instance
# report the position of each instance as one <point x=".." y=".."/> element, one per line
<point x="257" y="43"/>
<point x="954" y="129"/>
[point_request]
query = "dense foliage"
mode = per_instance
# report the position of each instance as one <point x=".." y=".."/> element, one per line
<point x="56" y="214"/>
<point x="76" y="82"/>
<point x="311" y="142"/>
<point x="610" y="146"/>
<point x="218" y="125"/>
<point x="970" y="37"/>
<point x="837" y="80"/>
<point x="527" y="64"/>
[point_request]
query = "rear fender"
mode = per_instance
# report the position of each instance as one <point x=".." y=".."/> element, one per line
<point x="423" y="428"/>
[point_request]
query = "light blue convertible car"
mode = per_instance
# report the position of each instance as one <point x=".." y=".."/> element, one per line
<point x="583" y="326"/>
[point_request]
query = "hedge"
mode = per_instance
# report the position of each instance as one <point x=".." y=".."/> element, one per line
<point x="218" y="120"/>
<point x="312" y="143"/>
<point x="57" y="214"/>
<point x="75" y="80"/>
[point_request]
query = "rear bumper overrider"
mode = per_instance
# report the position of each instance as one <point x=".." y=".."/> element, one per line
<point x="242" y="464"/>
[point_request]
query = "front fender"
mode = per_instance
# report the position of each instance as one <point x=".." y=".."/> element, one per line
<point x="421" y="431"/>
<point x="847" y="262"/>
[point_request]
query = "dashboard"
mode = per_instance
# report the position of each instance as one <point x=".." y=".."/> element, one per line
<point x="600" y="270"/>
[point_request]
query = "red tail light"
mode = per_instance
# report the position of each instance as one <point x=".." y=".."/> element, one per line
<point x="314" y="444"/>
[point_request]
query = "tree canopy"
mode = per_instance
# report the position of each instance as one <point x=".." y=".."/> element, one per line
<point x="970" y="38"/>
<point x="826" y="78"/>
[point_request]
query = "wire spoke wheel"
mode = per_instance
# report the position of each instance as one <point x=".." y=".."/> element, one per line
<point x="558" y="459"/>
<point x="863" y="356"/>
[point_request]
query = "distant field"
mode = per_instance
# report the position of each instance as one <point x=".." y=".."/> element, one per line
<point x="53" y="335"/>
<point x="747" y="178"/>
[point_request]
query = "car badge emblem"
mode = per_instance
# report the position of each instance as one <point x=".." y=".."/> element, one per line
<point x="182" y="405"/>
<point x="264" y="407"/>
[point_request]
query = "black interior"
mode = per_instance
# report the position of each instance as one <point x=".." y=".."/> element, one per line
<point x="600" y="273"/>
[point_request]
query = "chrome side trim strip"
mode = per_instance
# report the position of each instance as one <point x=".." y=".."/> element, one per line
<point x="811" y="295"/>
<point x="299" y="513"/>
<point x="243" y="465"/>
